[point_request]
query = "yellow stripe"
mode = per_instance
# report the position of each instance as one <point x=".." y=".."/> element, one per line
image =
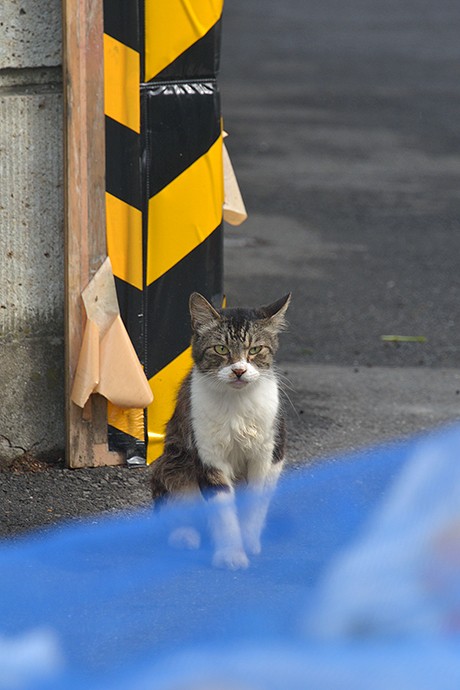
<point x="165" y="386"/>
<point x="121" y="83"/>
<point x="130" y="421"/>
<point x="185" y="213"/>
<point x="172" y="26"/>
<point x="124" y="240"/>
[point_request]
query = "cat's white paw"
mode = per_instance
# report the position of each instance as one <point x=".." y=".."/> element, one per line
<point x="185" y="538"/>
<point x="252" y="544"/>
<point x="231" y="559"/>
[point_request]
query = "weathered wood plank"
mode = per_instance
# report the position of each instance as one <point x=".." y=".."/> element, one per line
<point x="85" y="234"/>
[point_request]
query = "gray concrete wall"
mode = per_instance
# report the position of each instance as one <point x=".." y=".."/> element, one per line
<point x="31" y="229"/>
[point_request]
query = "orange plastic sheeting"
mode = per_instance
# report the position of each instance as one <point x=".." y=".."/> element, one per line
<point x="108" y="363"/>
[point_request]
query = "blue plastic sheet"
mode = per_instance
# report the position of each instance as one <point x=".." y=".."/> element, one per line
<point x="357" y="586"/>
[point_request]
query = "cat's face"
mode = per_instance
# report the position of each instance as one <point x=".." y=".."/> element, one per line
<point x="235" y="346"/>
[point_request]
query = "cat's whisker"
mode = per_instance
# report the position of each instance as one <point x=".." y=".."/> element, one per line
<point x="286" y="383"/>
<point x="286" y="395"/>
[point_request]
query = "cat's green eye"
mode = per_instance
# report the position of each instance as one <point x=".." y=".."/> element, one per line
<point x="255" y="350"/>
<point x="221" y="349"/>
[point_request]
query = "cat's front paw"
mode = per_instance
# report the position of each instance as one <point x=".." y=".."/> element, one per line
<point x="252" y="544"/>
<point x="251" y="539"/>
<point x="231" y="559"/>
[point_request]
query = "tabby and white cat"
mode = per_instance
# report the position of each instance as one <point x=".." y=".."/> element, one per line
<point x="227" y="426"/>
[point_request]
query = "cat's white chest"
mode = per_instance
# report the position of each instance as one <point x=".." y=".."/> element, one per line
<point x="234" y="428"/>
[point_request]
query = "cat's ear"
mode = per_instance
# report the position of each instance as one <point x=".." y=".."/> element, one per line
<point x="276" y="311"/>
<point x="201" y="312"/>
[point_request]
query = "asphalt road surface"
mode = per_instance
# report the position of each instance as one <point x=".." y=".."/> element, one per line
<point x="345" y="135"/>
<point x="344" y="122"/>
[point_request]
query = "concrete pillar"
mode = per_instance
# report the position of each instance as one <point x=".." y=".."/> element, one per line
<point x="31" y="230"/>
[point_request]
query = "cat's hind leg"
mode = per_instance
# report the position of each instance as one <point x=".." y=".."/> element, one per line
<point x="173" y="483"/>
<point x="183" y="534"/>
<point x="185" y="537"/>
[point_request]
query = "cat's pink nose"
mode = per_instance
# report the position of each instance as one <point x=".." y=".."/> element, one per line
<point x="238" y="371"/>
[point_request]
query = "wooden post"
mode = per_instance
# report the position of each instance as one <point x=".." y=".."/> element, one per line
<point x="85" y="231"/>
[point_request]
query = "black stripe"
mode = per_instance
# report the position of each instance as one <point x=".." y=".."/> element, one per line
<point x="121" y="21"/>
<point x="123" y="442"/>
<point x="168" y="325"/>
<point x="123" y="162"/>
<point x="181" y="123"/>
<point x="131" y="303"/>
<point x="199" y="61"/>
<point x="141" y="5"/>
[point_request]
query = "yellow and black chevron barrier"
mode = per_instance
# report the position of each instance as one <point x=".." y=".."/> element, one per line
<point x="164" y="188"/>
<point x="124" y="199"/>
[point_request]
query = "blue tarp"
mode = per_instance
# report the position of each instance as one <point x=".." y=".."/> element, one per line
<point x="357" y="586"/>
